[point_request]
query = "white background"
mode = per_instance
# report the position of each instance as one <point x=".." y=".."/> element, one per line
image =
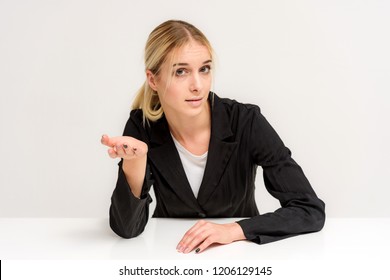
<point x="69" y="70"/>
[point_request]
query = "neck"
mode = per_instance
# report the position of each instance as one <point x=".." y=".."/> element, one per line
<point x="193" y="133"/>
<point x="186" y="128"/>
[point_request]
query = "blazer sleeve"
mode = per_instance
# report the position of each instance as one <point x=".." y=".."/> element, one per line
<point x="129" y="214"/>
<point x="301" y="210"/>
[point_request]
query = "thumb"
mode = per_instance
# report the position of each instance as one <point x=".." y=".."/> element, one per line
<point x="105" y="140"/>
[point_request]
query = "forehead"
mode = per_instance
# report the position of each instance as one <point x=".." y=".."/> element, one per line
<point x="191" y="53"/>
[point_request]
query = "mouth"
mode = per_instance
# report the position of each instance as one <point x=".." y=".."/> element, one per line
<point x="197" y="99"/>
<point x="195" y="102"/>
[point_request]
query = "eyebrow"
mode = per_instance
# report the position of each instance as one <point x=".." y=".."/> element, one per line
<point x="186" y="64"/>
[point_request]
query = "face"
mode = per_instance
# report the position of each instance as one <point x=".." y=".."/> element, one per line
<point x="184" y="81"/>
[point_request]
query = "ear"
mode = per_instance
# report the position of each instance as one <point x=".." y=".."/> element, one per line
<point x="151" y="78"/>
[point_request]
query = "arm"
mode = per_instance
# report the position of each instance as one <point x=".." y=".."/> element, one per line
<point x="128" y="213"/>
<point x="130" y="200"/>
<point x="301" y="210"/>
<point x="134" y="156"/>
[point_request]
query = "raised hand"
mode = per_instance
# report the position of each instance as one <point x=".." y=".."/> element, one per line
<point x="124" y="147"/>
<point x="134" y="155"/>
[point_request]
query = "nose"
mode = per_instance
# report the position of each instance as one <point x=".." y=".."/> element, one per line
<point x="195" y="83"/>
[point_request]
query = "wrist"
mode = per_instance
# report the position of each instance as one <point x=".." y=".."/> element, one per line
<point x="237" y="232"/>
<point x="134" y="171"/>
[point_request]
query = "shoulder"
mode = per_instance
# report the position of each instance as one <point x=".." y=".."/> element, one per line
<point x="135" y="120"/>
<point x="235" y="109"/>
<point x="134" y="124"/>
<point x="242" y="118"/>
<point x="252" y="129"/>
<point x="139" y="127"/>
<point x="136" y="115"/>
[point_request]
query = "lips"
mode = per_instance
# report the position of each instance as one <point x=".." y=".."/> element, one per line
<point x="194" y="99"/>
<point x="194" y="102"/>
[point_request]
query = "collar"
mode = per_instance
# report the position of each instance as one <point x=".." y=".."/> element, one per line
<point x="220" y="126"/>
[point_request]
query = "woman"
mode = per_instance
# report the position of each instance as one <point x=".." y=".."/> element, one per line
<point x="200" y="152"/>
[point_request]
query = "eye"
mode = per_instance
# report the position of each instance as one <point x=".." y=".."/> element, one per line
<point x="180" y="72"/>
<point x="205" y="69"/>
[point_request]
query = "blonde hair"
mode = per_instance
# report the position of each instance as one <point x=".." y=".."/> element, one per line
<point x="164" y="39"/>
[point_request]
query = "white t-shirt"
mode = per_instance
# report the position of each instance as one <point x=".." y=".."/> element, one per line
<point x="193" y="166"/>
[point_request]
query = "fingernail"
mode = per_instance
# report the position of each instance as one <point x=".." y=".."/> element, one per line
<point x="197" y="250"/>
<point x="125" y="146"/>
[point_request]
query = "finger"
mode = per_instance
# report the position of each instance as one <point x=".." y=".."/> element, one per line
<point x="129" y="150"/>
<point x="109" y="141"/>
<point x="112" y="153"/>
<point x="195" y="235"/>
<point x="105" y="140"/>
<point x="126" y="151"/>
<point x="198" y="239"/>
<point x="204" y="245"/>
<point x="120" y="150"/>
<point x="181" y="245"/>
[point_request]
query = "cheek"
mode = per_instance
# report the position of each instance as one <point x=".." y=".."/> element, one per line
<point x="175" y="88"/>
<point x="170" y="94"/>
<point x="209" y="81"/>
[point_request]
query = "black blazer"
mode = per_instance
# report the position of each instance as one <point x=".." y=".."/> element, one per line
<point x="241" y="140"/>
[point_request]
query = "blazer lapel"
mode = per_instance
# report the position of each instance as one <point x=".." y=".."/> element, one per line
<point x="220" y="150"/>
<point x="163" y="153"/>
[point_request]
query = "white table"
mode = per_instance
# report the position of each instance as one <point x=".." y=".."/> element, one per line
<point x="92" y="239"/>
<point x="88" y="249"/>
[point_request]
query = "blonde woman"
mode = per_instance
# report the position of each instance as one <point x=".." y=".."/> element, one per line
<point x="200" y="152"/>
